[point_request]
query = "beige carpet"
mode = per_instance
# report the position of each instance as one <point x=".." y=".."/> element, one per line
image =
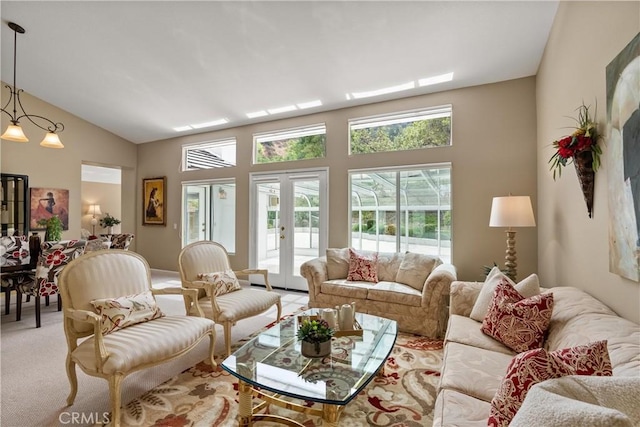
<point x="403" y="396"/>
<point x="33" y="381"/>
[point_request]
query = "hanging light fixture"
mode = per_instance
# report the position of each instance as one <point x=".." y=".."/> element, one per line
<point x="14" y="130"/>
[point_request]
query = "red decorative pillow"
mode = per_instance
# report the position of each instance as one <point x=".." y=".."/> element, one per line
<point x="534" y="366"/>
<point x="517" y="322"/>
<point x="363" y="268"/>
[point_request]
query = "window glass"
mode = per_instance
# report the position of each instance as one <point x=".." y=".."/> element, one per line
<point x="397" y="210"/>
<point x="209" y="213"/>
<point x="293" y="144"/>
<point x="401" y="131"/>
<point x="209" y="155"/>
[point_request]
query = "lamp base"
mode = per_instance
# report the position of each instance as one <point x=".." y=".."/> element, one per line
<point x="510" y="260"/>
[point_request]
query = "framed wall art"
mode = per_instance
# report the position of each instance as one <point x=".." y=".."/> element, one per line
<point x="48" y="202"/>
<point x="623" y="148"/>
<point x="154" y="201"/>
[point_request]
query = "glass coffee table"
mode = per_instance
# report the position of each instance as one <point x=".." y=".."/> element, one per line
<point x="270" y="366"/>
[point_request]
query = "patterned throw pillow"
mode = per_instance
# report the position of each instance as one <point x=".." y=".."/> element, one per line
<point x="363" y="268"/>
<point x="534" y="366"/>
<point x="517" y="322"/>
<point x="223" y="281"/>
<point x="415" y="268"/>
<point x="118" y="313"/>
<point x="528" y="287"/>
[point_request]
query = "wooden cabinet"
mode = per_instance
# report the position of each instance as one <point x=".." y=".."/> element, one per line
<point x="14" y="197"/>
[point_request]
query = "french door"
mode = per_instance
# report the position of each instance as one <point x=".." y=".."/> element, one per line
<point x="288" y="224"/>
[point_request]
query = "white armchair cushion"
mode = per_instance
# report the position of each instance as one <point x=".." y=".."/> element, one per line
<point x="241" y="304"/>
<point x="223" y="281"/>
<point x="143" y="344"/>
<point x="118" y="313"/>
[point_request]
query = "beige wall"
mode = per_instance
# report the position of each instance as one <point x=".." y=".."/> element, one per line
<point x="109" y="197"/>
<point x="493" y="154"/>
<point x="573" y="249"/>
<point x="84" y="143"/>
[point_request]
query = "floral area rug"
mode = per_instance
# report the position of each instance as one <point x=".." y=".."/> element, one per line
<point x="204" y="396"/>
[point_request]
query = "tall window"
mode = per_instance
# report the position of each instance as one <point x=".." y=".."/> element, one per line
<point x="304" y="143"/>
<point x="209" y="155"/>
<point x="209" y="212"/>
<point x="401" y="131"/>
<point x="396" y="210"/>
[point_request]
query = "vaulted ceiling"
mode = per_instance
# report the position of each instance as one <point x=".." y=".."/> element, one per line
<point x="140" y="69"/>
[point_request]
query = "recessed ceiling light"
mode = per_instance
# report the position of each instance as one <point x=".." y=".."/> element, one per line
<point x="281" y="109"/>
<point x="384" y="91"/>
<point x="209" y="124"/>
<point x="436" y="79"/>
<point x="255" y="114"/>
<point x="182" y="128"/>
<point x="309" y="104"/>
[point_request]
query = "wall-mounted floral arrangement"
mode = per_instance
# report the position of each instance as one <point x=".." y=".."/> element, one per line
<point x="581" y="148"/>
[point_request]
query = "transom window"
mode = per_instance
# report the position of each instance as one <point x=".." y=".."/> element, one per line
<point x="303" y="143"/>
<point x="397" y="210"/>
<point x="408" y="130"/>
<point x="209" y="155"/>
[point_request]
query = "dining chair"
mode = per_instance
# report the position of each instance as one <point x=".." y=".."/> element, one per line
<point x="14" y="252"/>
<point x="205" y="266"/>
<point x="54" y="257"/>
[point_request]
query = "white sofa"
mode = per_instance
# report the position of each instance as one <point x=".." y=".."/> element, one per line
<point x="474" y="363"/>
<point x="420" y="309"/>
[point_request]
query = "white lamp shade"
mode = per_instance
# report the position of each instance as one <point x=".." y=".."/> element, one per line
<point x="95" y="210"/>
<point x="14" y="133"/>
<point x="51" y="140"/>
<point x="512" y="211"/>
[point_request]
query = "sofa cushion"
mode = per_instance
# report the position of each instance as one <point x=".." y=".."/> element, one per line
<point x="388" y="264"/>
<point x="337" y="263"/>
<point x="345" y="288"/>
<point x="395" y="293"/>
<point x="473" y="371"/>
<point x="415" y="268"/>
<point x="363" y="267"/>
<point x="535" y="366"/>
<point x="528" y="287"/>
<point x="453" y="408"/>
<point x="467" y="331"/>
<point x="517" y="322"/>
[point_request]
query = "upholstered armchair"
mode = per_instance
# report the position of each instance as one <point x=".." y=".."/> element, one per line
<point x="109" y="305"/>
<point x="54" y="257"/>
<point x="205" y="266"/>
<point x="120" y="241"/>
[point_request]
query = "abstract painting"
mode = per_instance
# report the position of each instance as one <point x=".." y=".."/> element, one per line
<point x="623" y="161"/>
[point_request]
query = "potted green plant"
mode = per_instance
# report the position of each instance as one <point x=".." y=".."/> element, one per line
<point x="315" y="335"/>
<point x="108" y="221"/>
<point x="53" y="227"/>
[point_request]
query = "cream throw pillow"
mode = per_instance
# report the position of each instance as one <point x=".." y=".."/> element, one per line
<point x="337" y="263"/>
<point x="527" y="287"/>
<point x="223" y="281"/>
<point x="118" y="313"/>
<point x="415" y="268"/>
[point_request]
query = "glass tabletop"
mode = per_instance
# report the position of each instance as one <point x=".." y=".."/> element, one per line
<point x="272" y="361"/>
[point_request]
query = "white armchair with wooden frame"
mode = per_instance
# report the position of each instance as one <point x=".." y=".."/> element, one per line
<point x="107" y="297"/>
<point x="205" y="266"/>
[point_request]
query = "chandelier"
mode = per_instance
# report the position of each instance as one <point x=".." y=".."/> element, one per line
<point x="14" y="130"/>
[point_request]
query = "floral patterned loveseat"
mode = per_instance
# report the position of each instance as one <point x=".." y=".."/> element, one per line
<point x="410" y="288"/>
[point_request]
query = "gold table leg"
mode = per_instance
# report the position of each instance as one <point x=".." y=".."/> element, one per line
<point x="245" y="407"/>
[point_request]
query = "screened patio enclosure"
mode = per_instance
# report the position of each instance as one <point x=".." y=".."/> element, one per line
<point x="402" y="210"/>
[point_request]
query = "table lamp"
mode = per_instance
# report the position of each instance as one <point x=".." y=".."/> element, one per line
<point x="511" y="211"/>
<point x="94" y="210"/>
